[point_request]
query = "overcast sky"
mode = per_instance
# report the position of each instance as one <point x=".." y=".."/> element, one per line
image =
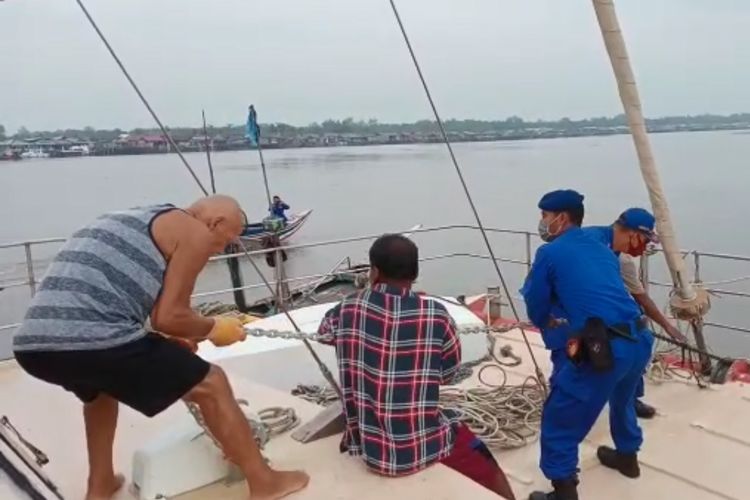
<point x="306" y="60"/>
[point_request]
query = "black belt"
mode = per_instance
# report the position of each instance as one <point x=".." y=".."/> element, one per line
<point x="592" y="342"/>
<point x="626" y="330"/>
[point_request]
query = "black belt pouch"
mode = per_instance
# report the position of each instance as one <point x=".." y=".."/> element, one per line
<point x="595" y="339"/>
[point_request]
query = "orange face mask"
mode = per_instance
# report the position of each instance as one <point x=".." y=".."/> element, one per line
<point x="639" y="248"/>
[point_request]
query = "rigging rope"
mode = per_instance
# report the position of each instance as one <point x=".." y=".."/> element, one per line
<point x="663" y="368"/>
<point x="439" y="121"/>
<point x="503" y="415"/>
<point x="321" y="366"/>
<point x="142" y="97"/>
<point x="270" y="422"/>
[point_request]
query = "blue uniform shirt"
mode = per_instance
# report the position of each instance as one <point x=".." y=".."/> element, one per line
<point x="581" y="276"/>
<point x="603" y="234"/>
<point x="556" y="337"/>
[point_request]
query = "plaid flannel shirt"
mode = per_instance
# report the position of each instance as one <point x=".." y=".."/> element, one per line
<point x="394" y="350"/>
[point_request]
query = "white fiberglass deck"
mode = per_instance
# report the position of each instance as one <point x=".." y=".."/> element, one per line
<point x="697" y="448"/>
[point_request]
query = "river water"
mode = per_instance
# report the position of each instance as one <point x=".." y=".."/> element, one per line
<point x="370" y="190"/>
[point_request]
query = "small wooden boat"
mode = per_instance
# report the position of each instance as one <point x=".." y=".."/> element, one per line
<point x="255" y="233"/>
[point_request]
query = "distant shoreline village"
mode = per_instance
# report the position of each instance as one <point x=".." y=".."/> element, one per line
<point x="332" y="133"/>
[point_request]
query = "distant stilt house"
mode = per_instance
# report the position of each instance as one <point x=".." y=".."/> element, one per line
<point x="141" y="144"/>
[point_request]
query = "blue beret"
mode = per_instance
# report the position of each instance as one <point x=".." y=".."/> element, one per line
<point x="561" y="200"/>
<point x="638" y="219"/>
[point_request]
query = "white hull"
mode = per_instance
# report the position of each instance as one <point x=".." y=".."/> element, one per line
<point x="694" y="450"/>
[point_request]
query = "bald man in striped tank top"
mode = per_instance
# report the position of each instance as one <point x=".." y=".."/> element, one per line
<point x="85" y="331"/>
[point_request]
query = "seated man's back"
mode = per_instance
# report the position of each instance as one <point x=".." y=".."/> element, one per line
<point x="394" y="350"/>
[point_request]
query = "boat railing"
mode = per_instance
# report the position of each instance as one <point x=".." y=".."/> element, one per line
<point x="528" y="239"/>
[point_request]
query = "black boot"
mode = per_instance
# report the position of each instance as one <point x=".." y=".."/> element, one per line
<point x="566" y="489"/>
<point x="625" y="463"/>
<point x="643" y="410"/>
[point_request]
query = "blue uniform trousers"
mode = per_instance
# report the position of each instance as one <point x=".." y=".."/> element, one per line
<point x="559" y="358"/>
<point x="577" y="398"/>
<point x="640" y="389"/>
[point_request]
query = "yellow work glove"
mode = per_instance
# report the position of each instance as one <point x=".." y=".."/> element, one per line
<point x="226" y="331"/>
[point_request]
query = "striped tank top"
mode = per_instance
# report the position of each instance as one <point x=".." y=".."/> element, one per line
<point x="100" y="288"/>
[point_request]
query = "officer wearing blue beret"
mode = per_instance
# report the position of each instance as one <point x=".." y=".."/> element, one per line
<point x="607" y="344"/>
<point x="628" y="237"/>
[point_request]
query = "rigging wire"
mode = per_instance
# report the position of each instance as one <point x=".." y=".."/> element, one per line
<point x="142" y="97"/>
<point x="454" y="160"/>
<point x="321" y="365"/>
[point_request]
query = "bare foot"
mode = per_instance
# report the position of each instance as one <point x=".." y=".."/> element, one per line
<point x="279" y="485"/>
<point x="107" y="490"/>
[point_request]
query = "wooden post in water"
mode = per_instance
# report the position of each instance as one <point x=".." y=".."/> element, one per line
<point x="235" y="274"/>
<point x="282" y="286"/>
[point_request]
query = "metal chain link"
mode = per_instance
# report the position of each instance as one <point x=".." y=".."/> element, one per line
<point x="273" y="421"/>
<point x="316" y="337"/>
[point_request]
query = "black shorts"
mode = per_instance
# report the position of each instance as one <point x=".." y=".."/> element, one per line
<point x="148" y="375"/>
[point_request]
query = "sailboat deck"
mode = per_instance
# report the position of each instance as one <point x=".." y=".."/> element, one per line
<point x="694" y="450"/>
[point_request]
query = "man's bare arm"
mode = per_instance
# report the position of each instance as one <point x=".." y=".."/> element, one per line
<point x="629" y="273"/>
<point x="187" y="254"/>
<point x="653" y="312"/>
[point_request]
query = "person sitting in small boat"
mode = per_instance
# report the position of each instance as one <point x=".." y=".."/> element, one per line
<point x="394" y="350"/>
<point x="627" y="238"/>
<point x="278" y="208"/>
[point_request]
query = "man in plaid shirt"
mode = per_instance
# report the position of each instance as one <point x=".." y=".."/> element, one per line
<point x="395" y="349"/>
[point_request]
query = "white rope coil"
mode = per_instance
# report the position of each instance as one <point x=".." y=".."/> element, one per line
<point x="271" y="422"/>
<point x="503" y="415"/>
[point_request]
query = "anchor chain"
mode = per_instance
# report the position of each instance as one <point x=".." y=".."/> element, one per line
<point x="293" y="335"/>
<point x="271" y="422"/>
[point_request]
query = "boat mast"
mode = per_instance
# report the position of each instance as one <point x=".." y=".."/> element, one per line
<point x="253" y="134"/>
<point x="207" y="145"/>
<point x="235" y="271"/>
<point x="690" y="302"/>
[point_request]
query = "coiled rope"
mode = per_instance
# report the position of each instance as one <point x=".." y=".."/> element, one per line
<point x="663" y="368"/>
<point x="503" y="415"/>
<point x="271" y="422"/>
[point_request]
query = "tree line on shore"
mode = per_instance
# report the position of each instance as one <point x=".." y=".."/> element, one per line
<point x="373" y="126"/>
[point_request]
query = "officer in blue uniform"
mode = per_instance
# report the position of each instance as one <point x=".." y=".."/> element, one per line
<point x="628" y="238"/>
<point x="607" y="344"/>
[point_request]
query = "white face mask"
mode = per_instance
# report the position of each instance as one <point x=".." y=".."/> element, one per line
<point x="545" y="232"/>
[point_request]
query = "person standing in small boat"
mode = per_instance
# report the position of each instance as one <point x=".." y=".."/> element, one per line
<point x="85" y="330"/>
<point x="628" y="238"/>
<point x="278" y="209"/>
<point x="395" y="349"/>
<point x="608" y="345"/>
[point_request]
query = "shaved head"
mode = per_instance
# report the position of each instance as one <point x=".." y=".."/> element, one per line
<point x="215" y="203"/>
<point x="222" y="215"/>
